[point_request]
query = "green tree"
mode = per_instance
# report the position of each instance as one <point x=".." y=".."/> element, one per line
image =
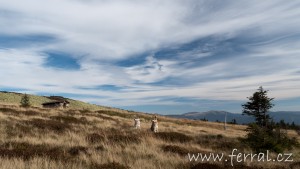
<point x="263" y="134"/>
<point x="25" y="101"/>
<point x="258" y="106"/>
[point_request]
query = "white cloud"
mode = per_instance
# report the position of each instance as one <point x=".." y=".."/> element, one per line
<point x="103" y="32"/>
<point x="118" y="29"/>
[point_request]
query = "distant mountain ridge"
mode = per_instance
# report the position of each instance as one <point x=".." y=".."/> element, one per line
<point x="287" y="116"/>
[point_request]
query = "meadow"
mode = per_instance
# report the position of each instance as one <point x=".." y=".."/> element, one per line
<point x="103" y="137"/>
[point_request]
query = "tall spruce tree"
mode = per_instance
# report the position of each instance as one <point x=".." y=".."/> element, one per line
<point x="262" y="135"/>
<point x="258" y="106"/>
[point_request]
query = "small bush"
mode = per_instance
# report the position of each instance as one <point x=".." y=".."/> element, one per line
<point x="111" y="165"/>
<point x="173" y="137"/>
<point x="95" y="138"/>
<point x="262" y="139"/>
<point x="49" y="125"/>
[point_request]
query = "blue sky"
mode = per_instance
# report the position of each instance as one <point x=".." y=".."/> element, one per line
<point x="165" y="57"/>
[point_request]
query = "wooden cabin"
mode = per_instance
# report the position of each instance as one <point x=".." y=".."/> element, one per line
<point x="56" y="104"/>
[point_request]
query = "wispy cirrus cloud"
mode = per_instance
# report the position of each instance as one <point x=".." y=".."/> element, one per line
<point x="143" y="54"/>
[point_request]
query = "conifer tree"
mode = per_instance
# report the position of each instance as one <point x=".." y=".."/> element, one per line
<point x="258" y="106"/>
<point x="25" y="101"/>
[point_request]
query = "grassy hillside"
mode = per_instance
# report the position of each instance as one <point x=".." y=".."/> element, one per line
<point x="36" y="101"/>
<point x="39" y="138"/>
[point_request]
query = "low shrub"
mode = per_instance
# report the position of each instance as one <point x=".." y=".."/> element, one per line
<point x="262" y="139"/>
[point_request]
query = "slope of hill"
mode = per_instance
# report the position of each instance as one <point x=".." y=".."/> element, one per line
<point x="36" y="101"/>
<point x="80" y="138"/>
<point x="287" y="116"/>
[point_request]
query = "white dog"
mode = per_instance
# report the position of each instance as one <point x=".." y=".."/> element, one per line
<point x="137" y="123"/>
<point x="154" y="125"/>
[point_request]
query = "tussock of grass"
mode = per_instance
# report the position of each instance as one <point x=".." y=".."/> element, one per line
<point x="99" y="148"/>
<point x="52" y="125"/>
<point x="105" y="117"/>
<point x="114" y="137"/>
<point x="69" y="119"/>
<point x="15" y="112"/>
<point x="173" y="137"/>
<point x="124" y="139"/>
<point x="229" y="166"/>
<point x="295" y="165"/>
<point x="75" y="150"/>
<point x="95" y="138"/>
<point x="180" y="150"/>
<point x="8" y="110"/>
<point x="114" y="113"/>
<point x="206" y="166"/>
<point x="17" y="129"/>
<point x="27" y="151"/>
<point x="219" y="142"/>
<point x="112" y="165"/>
<point x="175" y="149"/>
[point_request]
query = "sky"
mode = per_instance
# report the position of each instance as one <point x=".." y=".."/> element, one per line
<point x="165" y="57"/>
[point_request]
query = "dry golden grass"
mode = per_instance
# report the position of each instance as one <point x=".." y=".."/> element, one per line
<point x="45" y="138"/>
